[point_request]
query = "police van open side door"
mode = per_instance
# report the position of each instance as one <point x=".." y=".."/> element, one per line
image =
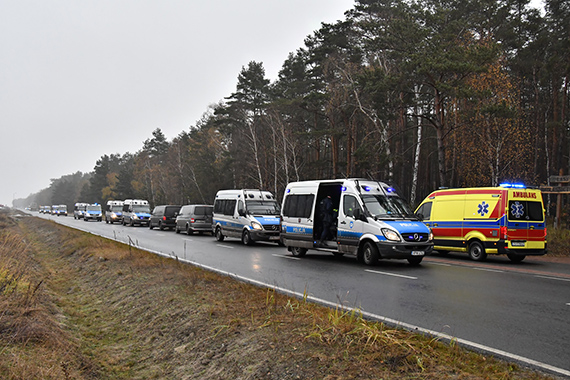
<point x="350" y="223"/>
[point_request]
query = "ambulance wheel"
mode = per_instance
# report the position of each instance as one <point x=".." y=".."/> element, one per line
<point x="298" y="251"/>
<point x="219" y="234"/>
<point x="415" y="260"/>
<point x="246" y="238"/>
<point x="369" y="254"/>
<point x="515" y="258"/>
<point x="477" y="252"/>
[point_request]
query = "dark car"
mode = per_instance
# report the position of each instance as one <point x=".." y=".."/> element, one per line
<point x="195" y="218"/>
<point x="164" y="217"/>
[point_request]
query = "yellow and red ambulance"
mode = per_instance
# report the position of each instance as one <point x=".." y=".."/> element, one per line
<point x="508" y="219"/>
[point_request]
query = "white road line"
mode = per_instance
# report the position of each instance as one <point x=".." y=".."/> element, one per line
<point x="488" y="270"/>
<point x="224" y="246"/>
<point x="434" y="263"/>
<point x="391" y="274"/>
<point x="188" y="239"/>
<point x="568" y="304"/>
<point x="553" y="278"/>
<point x="286" y="257"/>
<point x="160" y="235"/>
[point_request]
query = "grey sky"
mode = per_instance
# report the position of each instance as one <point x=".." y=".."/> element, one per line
<point x="84" y="78"/>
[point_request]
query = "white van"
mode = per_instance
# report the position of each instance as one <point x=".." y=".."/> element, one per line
<point x="135" y="211"/>
<point x="114" y="211"/>
<point x="247" y="214"/>
<point x="369" y="221"/>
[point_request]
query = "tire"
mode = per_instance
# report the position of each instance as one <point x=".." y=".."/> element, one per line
<point x="414" y="261"/>
<point x="219" y="234"/>
<point x="160" y="226"/>
<point x="298" y="251"/>
<point x="176" y="229"/>
<point x="150" y="226"/>
<point x="476" y="251"/>
<point x="131" y="223"/>
<point x="515" y="258"/>
<point x="106" y="221"/>
<point x="370" y="254"/>
<point x="188" y="230"/>
<point x="246" y="238"/>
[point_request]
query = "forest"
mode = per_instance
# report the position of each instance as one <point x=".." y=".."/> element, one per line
<point x="421" y="93"/>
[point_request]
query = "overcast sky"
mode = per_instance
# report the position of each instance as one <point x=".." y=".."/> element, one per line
<point x="84" y="78"/>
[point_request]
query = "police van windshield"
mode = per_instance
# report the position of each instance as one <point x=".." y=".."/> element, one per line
<point x="94" y="208"/>
<point x="141" y="208"/>
<point x="382" y="206"/>
<point x="263" y="207"/>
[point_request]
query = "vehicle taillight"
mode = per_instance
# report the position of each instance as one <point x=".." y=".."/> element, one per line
<point x="504" y="233"/>
<point x="192" y="220"/>
<point x="545" y="232"/>
<point x="164" y="218"/>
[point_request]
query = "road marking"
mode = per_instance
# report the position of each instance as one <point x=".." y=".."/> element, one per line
<point x="568" y="304"/>
<point x="286" y="256"/>
<point x="442" y="264"/>
<point x="224" y="246"/>
<point x="489" y="270"/>
<point x="160" y="235"/>
<point x="188" y="239"/>
<point x="553" y="278"/>
<point x="391" y="274"/>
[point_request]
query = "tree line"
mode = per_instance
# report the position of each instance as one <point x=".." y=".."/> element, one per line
<point x="421" y="93"/>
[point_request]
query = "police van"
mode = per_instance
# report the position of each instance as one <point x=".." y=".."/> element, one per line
<point x="369" y="221"/>
<point x="136" y="211"/>
<point x="247" y="214"/>
<point x="114" y="211"/>
<point x="79" y="210"/>
<point x="508" y="219"/>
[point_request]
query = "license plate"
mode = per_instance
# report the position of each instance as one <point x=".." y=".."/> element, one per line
<point x="518" y="243"/>
<point x="274" y="238"/>
<point x="417" y="253"/>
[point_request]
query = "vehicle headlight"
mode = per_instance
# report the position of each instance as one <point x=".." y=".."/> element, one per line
<point x="256" y="226"/>
<point x="113" y="215"/>
<point x="390" y="234"/>
<point x="135" y="216"/>
<point x="430" y="236"/>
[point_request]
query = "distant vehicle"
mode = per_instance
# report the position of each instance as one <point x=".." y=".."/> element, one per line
<point x="93" y="212"/>
<point x="194" y="218"/>
<point x="59" y="210"/>
<point x="164" y="217"/>
<point x="364" y="218"/>
<point x="482" y="221"/>
<point x="250" y="215"/>
<point x="136" y="211"/>
<point x="114" y="212"/>
<point x="79" y="210"/>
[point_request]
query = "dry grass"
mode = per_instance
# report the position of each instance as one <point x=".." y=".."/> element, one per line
<point x="119" y="313"/>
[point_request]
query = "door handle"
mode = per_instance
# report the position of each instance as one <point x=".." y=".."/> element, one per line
<point x="343" y="222"/>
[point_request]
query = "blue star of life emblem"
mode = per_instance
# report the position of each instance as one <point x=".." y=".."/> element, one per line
<point x="517" y="209"/>
<point x="483" y="208"/>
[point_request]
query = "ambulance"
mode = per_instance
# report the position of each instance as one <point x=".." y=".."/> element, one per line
<point x="363" y="218"/>
<point x="508" y="219"/>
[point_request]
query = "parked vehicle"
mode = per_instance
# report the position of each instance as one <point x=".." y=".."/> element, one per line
<point x="93" y="212"/>
<point x="136" y="211"/>
<point x="79" y="210"/>
<point x="249" y="215"/>
<point x="114" y="212"/>
<point x="194" y="218"/>
<point x="508" y="219"/>
<point x="363" y="218"/>
<point x="164" y="217"/>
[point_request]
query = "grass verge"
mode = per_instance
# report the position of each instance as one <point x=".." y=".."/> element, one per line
<point x="75" y="306"/>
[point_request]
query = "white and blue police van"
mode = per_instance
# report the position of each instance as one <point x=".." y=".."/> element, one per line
<point x="369" y="220"/>
<point x="247" y="214"/>
<point x="135" y="211"/>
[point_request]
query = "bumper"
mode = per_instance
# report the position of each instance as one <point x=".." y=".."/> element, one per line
<point x="503" y="248"/>
<point x="399" y="250"/>
<point x="262" y="235"/>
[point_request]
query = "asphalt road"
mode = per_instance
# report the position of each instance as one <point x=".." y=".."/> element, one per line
<point x="518" y="311"/>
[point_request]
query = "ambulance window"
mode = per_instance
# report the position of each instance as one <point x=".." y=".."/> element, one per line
<point x="425" y="211"/>
<point x="349" y="205"/>
<point x="525" y="210"/>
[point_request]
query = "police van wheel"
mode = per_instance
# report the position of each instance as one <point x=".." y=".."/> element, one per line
<point x="477" y="252"/>
<point x="219" y="235"/>
<point x="515" y="258"/>
<point x="298" y="251"/>
<point x="415" y="260"/>
<point x="369" y="254"/>
<point x="246" y="238"/>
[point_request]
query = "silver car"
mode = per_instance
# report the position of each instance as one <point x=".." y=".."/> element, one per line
<point x="194" y="218"/>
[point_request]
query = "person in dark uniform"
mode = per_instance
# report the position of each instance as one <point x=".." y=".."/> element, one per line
<point x="326" y="209"/>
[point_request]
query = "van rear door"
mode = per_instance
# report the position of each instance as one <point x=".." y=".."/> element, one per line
<point x="525" y="227"/>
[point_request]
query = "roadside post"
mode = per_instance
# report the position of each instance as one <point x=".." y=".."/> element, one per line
<point x="562" y="187"/>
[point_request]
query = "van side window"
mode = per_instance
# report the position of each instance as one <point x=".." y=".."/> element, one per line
<point x="229" y="207"/>
<point x="425" y="211"/>
<point x="349" y="205"/>
<point x="299" y="206"/>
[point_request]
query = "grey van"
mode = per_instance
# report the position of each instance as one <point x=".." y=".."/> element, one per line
<point x="164" y="217"/>
<point x="195" y="218"/>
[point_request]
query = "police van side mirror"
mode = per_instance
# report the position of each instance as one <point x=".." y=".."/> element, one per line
<point x="241" y="212"/>
<point x="358" y="215"/>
